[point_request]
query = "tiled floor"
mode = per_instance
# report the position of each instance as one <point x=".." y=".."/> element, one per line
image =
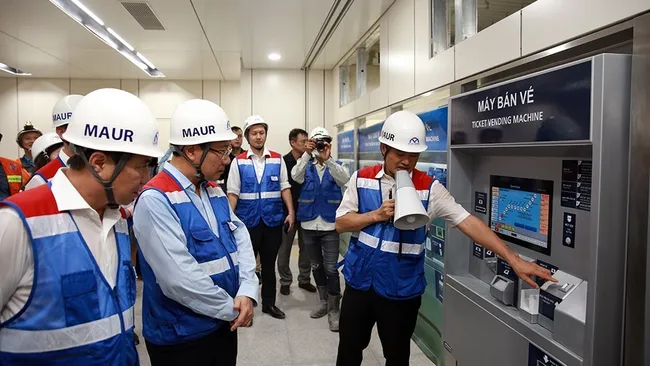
<point x="297" y="340"/>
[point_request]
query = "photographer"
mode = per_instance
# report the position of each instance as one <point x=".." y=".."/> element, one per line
<point x="322" y="179"/>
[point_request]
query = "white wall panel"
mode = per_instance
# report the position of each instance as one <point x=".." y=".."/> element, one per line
<point x="85" y="86"/>
<point x="279" y="97"/>
<point x="211" y="91"/>
<point x="245" y="95"/>
<point x="230" y="102"/>
<point x="316" y="100"/>
<point x="401" y="51"/>
<point x="36" y="98"/>
<point x="548" y="22"/>
<point x="8" y="117"/>
<point x="362" y="104"/>
<point x="347" y="112"/>
<point x="331" y="104"/>
<point x="163" y="97"/>
<point x="130" y="85"/>
<point x="494" y="46"/>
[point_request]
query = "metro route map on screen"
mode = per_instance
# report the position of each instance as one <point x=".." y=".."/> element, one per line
<point x="520" y="211"/>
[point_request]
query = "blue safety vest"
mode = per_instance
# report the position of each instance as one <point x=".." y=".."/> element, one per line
<point x="165" y="321"/>
<point x="318" y="198"/>
<point x="72" y="316"/>
<point x="260" y="200"/>
<point x="373" y="258"/>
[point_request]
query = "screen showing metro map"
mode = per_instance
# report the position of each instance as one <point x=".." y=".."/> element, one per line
<point x="520" y="211"/>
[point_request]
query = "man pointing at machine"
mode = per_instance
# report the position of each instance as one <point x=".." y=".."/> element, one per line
<point x="383" y="267"/>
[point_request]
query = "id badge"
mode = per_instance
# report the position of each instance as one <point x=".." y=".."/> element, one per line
<point x="274" y="178"/>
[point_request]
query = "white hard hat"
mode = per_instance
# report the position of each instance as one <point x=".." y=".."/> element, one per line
<point x="254" y="120"/>
<point x="62" y="111"/>
<point x="44" y="142"/>
<point x="114" y="120"/>
<point x="319" y="133"/>
<point x="198" y="121"/>
<point x="404" y="131"/>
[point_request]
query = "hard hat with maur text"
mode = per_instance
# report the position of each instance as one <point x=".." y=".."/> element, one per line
<point x="199" y="121"/>
<point x="404" y="131"/>
<point x="63" y="109"/>
<point x="114" y="120"/>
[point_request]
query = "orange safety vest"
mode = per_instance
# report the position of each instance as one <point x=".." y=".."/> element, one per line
<point x="16" y="175"/>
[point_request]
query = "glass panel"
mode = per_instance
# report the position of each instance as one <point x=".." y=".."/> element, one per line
<point x="442" y="25"/>
<point x="373" y="58"/>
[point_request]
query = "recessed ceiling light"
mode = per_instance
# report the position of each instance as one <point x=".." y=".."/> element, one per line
<point x="274" y="56"/>
<point x="13" y="70"/>
<point x="89" y="20"/>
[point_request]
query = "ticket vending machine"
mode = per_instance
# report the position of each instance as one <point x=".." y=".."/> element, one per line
<point x="543" y="161"/>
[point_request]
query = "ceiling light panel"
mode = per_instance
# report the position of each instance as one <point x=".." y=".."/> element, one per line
<point x="94" y="24"/>
<point x="13" y="70"/>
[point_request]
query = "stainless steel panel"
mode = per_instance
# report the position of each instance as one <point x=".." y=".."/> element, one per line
<point x="637" y="314"/>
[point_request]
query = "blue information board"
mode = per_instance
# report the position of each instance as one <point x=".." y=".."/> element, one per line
<point x="345" y="141"/>
<point x="435" y="123"/>
<point x="369" y="138"/>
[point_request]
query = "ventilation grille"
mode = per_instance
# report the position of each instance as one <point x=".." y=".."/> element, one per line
<point x="143" y="14"/>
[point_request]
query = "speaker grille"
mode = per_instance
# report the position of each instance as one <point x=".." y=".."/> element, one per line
<point x="142" y="13"/>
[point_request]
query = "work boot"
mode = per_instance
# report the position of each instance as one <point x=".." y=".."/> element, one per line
<point x="333" y="314"/>
<point x="322" y="311"/>
<point x="307" y="287"/>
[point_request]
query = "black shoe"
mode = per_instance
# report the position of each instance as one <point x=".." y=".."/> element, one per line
<point x="307" y="287"/>
<point x="136" y="339"/>
<point x="273" y="311"/>
<point x="284" y="290"/>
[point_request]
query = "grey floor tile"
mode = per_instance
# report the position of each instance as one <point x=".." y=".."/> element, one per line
<point x="299" y="319"/>
<point x="258" y="348"/>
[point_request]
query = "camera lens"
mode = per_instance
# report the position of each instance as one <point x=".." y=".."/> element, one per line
<point x="320" y="145"/>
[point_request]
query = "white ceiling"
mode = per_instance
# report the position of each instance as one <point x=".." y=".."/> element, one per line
<point x="204" y="39"/>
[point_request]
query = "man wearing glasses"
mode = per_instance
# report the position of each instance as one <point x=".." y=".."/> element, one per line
<point x="196" y="256"/>
<point x="257" y="185"/>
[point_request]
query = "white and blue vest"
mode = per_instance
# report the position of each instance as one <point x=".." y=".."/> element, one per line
<point x="260" y="200"/>
<point x="72" y="316"/>
<point x="382" y="257"/>
<point x="318" y="198"/>
<point x="165" y="321"/>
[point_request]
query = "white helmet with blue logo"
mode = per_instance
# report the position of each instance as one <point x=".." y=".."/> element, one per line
<point x="404" y="131"/>
<point x="63" y="109"/>
<point x="45" y="142"/>
<point x="114" y="120"/>
<point x="254" y="120"/>
<point x="197" y="122"/>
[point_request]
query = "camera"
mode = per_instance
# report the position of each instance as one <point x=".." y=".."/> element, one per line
<point x="320" y="145"/>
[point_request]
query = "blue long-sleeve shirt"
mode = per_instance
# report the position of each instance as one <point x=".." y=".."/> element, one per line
<point x="163" y="244"/>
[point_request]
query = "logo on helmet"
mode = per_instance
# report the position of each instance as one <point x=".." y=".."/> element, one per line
<point x="414" y="141"/>
<point x="388" y="136"/>
<point x="155" y="139"/>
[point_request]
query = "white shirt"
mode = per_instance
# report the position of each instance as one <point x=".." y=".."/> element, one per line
<point x="37" y="180"/>
<point x="340" y="175"/>
<point x="16" y="257"/>
<point x="234" y="181"/>
<point x="441" y="203"/>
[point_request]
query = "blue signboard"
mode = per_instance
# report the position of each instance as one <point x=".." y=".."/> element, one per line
<point x="345" y="141"/>
<point x="435" y="123"/>
<point x="552" y="106"/>
<point x="369" y="138"/>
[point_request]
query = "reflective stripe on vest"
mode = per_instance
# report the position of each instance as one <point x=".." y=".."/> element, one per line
<point x="39" y="341"/>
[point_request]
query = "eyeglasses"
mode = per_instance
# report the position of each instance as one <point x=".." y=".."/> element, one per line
<point x="222" y="154"/>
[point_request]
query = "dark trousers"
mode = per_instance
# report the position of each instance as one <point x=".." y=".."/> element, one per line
<point x="284" y="254"/>
<point x="395" y="319"/>
<point x="266" y="241"/>
<point x="323" y="250"/>
<point x="218" y="348"/>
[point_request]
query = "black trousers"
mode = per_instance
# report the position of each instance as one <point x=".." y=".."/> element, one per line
<point x="266" y="241"/>
<point x="395" y="319"/>
<point x="218" y="348"/>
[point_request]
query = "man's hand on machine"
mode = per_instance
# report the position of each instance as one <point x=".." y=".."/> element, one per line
<point x="526" y="270"/>
<point x="385" y="212"/>
<point x="244" y="305"/>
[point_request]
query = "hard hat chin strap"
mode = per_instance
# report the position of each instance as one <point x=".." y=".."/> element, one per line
<point x="108" y="184"/>
<point x="199" y="173"/>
